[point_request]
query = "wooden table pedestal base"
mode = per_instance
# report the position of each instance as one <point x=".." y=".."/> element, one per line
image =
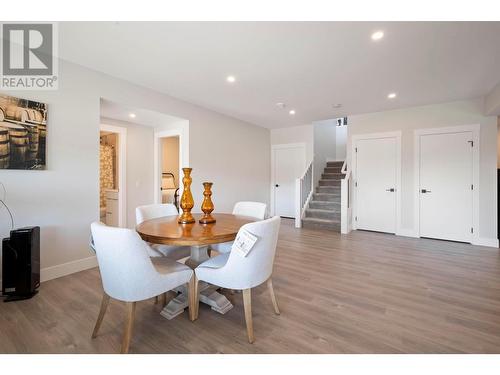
<point x="208" y="293"/>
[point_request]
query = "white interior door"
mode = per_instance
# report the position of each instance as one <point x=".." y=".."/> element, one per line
<point x="289" y="164"/>
<point x="376" y="174"/>
<point x="446" y="186"/>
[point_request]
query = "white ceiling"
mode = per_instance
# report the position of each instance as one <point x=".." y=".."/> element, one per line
<point x="117" y="111"/>
<point x="309" y="66"/>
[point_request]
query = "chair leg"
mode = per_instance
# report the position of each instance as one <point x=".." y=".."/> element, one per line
<point x="163" y="299"/>
<point x="193" y="298"/>
<point x="273" y="296"/>
<point x="209" y="252"/>
<point x="129" y="324"/>
<point x="157" y="300"/>
<point x="102" y="311"/>
<point x="247" y="305"/>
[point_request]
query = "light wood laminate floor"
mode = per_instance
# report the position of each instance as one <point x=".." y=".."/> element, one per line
<point x="360" y="293"/>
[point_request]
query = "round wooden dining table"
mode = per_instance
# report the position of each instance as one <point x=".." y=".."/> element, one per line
<point x="198" y="237"/>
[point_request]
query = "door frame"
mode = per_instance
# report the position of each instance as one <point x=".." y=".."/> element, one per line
<point x="475" y="129"/>
<point x="183" y="157"/>
<point x="354" y="140"/>
<point x="281" y="146"/>
<point x="122" y="169"/>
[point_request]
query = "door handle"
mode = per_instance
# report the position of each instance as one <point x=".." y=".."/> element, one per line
<point x="277" y="185"/>
<point x="425" y="191"/>
<point x="392" y="190"/>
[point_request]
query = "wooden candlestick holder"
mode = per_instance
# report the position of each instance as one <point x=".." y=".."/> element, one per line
<point x="207" y="206"/>
<point x="187" y="202"/>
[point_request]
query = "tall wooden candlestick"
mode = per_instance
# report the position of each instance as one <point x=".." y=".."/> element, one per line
<point x="187" y="202"/>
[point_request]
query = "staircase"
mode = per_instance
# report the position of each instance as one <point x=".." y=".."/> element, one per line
<point x="323" y="211"/>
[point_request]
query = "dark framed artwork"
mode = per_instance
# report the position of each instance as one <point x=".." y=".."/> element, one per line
<point x="23" y="133"/>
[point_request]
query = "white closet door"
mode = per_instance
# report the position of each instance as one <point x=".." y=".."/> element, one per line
<point x="446" y="186"/>
<point x="376" y="163"/>
<point x="288" y="166"/>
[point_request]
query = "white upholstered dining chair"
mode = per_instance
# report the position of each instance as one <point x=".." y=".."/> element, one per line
<point x="254" y="210"/>
<point x="154" y="211"/>
<point x="128" y="274"/>
<point x="235" y="271"/>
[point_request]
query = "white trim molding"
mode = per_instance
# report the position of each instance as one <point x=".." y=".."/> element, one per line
<point x="354" y="140"/>
<point x="475" y="130"/>
<point x="60" y="270"/>
<point x="407" y="233"/>
<point x="489" y="242"/>
<point x="273" y="150"/>
<point x="122" y="170"/>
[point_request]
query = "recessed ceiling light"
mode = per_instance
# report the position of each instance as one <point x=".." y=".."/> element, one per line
<point x="131" y="115"/>
<point x="377" y="35"/>
<point x="292" y="112"/>
<point x="338" y="105"/>
<point x="231" y="79"/>
<point x="392" y="95"/>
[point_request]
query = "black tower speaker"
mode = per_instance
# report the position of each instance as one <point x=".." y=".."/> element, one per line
<point x="21" y="263"/>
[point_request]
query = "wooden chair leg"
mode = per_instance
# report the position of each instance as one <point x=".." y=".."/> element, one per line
<point x="102" y="311"/>
<point x="193" y="298"/>
<point x="209" y="252"/>
<point x="129" y="324"/>
<point x="247" y="305"/>
<point x="157" y="300"/>
<point x="273" y="296"/>
<point x="163" y="299"/>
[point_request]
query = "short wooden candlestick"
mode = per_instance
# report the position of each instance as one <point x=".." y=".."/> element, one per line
<point x="207" y="206"/>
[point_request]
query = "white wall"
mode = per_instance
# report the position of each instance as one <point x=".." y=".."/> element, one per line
<point x="235" y="156"/>
<point x="340" y="142"/>
<point x="296" y="134"/>
<point x="492" y="102"/>
<point x="324" y="146"/>
<point x="64" y="199"/>
<point x="433" y="116"/>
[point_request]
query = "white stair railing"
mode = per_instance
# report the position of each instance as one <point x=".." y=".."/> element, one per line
<point x="303" y="193"/>
<point x="345" y="209"/>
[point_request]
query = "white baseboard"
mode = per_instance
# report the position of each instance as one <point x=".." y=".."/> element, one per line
<point x="406" y="233"/>
<point x="489" y="242"/>
<point x="64" y="269"/>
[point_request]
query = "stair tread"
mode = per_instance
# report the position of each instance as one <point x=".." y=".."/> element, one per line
<point x="325" y="221"/>
<point x="321" y="210"/>
<point x="325" y="189"/>
<point x="324" y="202"/>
